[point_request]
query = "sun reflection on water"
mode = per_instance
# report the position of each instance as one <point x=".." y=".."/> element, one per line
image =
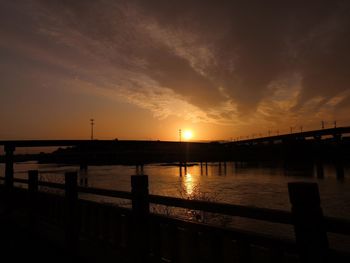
<point x="189" y="184"/>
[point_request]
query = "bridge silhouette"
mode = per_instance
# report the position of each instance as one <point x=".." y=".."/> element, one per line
<point x="323" y="144"/>
<point x="335" y="133"/>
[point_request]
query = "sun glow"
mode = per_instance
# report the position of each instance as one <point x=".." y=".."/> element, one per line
<point x="188" y="135"/>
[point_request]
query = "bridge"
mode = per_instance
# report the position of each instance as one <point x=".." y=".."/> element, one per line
<point x="140" y="152"/>
<point x="335" y="133"/>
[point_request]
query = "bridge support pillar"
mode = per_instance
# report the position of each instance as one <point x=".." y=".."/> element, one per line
<point x="319" y="169"/>
<point x="337" y="137"/>
<point x="339" y="167"/>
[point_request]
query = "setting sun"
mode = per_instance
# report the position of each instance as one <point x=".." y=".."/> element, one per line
<point x="188" y="135"/>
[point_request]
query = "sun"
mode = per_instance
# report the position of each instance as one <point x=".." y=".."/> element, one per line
<point x="188" y="135"/>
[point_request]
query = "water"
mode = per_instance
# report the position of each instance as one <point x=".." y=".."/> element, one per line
<point x="243" y="184"/>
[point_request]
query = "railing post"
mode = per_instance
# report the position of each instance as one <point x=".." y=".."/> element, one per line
<point x="140" y="213"/>
<point x="309" y="226"/>
<point x="32" y="191"/>
<point x="9" y="149"/>
<point x="33" y="182"/>
<point x="71" y="223"/>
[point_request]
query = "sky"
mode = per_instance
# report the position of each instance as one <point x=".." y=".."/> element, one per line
<point x="145" y="69"/>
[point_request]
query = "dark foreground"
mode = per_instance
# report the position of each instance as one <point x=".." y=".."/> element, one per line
<point x="57" y="226"/>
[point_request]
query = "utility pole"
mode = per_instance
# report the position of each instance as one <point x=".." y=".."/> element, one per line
<point x="92" y="128"/>
<point x="180" y="135"/>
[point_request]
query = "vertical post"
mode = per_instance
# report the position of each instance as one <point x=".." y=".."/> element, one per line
<point x="33" y="191"/>
<point x="140" y="212"/>
<point x="71" y="223"/>
<point x="309" y="228"/>
<point x="33" y="182"/>
<point x="9" y="149"/>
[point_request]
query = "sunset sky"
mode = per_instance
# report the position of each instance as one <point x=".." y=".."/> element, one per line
<point x="144" y="69"/>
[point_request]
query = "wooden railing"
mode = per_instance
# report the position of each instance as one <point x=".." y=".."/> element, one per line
<point x="141" y="236"/>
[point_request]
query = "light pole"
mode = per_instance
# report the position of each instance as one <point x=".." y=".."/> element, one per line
<point x="92" y="128"/>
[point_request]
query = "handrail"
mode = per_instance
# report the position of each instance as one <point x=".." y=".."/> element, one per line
<point x="105" y="192"/>
<point x="334" y="225"/>
<point x="87" y="190"/>
<point x="275" y="216"/>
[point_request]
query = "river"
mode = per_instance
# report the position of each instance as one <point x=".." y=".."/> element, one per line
<point x="256" y="184"/>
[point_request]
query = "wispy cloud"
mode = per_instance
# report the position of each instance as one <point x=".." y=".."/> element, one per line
<point x="228" y="63"/>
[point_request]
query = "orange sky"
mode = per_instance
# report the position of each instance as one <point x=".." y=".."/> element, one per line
<point x="145" y="69"/>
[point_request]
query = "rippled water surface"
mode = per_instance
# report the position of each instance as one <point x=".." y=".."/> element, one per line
<point x="237" y="183"/>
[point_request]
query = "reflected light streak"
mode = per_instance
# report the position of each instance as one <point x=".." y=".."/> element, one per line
<point x="189" y="184"/>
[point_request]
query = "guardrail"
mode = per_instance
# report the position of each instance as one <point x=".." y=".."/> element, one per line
<point x="143" y="229"/>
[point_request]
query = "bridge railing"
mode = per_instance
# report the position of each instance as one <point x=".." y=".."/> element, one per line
<point x="158" y="237"/>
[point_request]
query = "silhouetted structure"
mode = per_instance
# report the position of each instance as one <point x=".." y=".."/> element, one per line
<point x="97" y="232"/>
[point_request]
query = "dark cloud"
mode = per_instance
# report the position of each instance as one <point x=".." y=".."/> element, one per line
<point x="264" y="41"/>
<point x="227" y="58"/>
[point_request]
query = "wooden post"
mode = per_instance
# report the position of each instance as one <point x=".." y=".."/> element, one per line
<point x="32" y="187"/>
<point x="140" y="212"/>
<point x="9" y="149"/>
<point x="310" y="232"/>
<point x="32" y="198"/>
<point x="33" y="181"/>
<point x="71" y="222"/>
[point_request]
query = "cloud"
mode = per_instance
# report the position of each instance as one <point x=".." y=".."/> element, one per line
<point x="228" y="62"/>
